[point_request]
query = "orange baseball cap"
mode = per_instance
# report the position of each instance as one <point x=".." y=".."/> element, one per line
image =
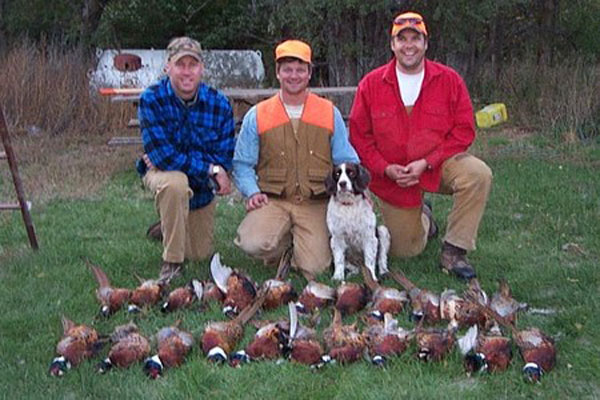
<point x="293" y="48"/>
<point x="409" y="20"/>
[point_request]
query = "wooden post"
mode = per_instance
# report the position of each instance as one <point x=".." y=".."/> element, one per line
<point x="12" y="163"/>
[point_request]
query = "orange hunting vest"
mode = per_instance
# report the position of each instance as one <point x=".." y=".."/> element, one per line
<point x="294" y="165"/>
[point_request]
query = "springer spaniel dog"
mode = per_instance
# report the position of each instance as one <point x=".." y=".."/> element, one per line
<point x="355" y="238"/>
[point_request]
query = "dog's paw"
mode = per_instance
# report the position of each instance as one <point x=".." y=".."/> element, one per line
<point x="338" y="277"/>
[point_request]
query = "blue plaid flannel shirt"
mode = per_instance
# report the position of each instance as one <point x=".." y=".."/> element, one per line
<point x="187" y="138"/>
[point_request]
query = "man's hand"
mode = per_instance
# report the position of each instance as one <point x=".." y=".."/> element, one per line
<point x="147" y="161"/>
<point x="257" y="200"/>
<point x="408" y="175"/>
<point x="224" y="182"/>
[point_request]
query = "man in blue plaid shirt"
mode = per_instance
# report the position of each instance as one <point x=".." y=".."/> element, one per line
<point x="188" y="134"/>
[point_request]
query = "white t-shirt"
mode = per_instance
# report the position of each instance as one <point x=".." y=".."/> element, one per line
<point x="409" y="86"/>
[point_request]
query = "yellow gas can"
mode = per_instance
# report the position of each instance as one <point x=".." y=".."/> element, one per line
<point x="490" y="115"/>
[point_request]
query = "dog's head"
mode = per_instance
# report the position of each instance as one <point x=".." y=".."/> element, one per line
<point x="349" y="178"/>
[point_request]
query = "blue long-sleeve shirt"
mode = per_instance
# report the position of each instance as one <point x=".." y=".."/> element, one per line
<point x="187" y="137"/>
<point x="246" y="155"/>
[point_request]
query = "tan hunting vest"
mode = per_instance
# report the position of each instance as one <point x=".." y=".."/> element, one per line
<point x="294" y="165"/>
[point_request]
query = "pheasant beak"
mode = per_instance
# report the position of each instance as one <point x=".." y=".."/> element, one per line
<point x="59" y="366"/>
<point x="217" y="355"/>
<point x="153" y="367"/>
<point x="416" y="316"/>
<point x="239" y="358"/>
<point x="105" y="311"/>
<point x="104" y="366"/>
<point x="379" y="361"/>
<point x="532" y="372"/>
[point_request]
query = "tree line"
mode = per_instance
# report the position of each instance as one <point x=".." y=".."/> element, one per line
<point x="349" y="37"/>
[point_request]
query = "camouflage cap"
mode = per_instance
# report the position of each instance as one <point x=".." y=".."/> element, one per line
<point x="183" y="46"/>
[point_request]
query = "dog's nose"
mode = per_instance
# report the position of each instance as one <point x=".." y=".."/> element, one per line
<point x="343" y="184"/>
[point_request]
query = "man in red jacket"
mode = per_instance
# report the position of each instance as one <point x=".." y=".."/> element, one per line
<point x="412" y="124"/>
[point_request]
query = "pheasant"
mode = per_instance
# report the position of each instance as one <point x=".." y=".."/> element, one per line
<point x="425" y="304"/>
<point x="184" y="297"/>
<point x="111" y="299"/>
<point x="303" y="345"/>
<point x="386" y="339"/>
<point x="78" y="343"/>
<point x="220" y="338"/>
<point x="344" y="343"/>
<point x="504" y="304"/>
<point x="238" y="288"/>
<point x="267" y="344"/>
<point x="462" y="313"/>
<point x="383" y="299"/>
<point x="149" y="292"/>
<point x="129" y="346"/>
<point x="315" y="296"/>
<point x="351" y="297"/>
<point x="485" y="353"/>
<point x="173" y="346"/>
<point x="279" y="291"/>
<point x="434" y="344"/>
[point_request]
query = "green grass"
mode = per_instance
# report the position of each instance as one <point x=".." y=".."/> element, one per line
<point x="539" y="204"/>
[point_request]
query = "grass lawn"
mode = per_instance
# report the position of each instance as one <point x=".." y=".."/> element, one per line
<point x="540" y="232"/>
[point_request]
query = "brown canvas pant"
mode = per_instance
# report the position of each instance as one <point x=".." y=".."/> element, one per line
<point x="468" y="180"/>
<point x="186" y="234"/>
<point x="266" y="232"/>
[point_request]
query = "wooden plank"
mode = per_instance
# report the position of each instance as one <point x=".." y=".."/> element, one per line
<point x="125" y="140"/>
<point x="133" y="94"/>
<point x="14" y="206"/>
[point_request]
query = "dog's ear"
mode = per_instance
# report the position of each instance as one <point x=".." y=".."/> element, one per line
<point x="330" y="184"/>
<point x="362" y="179"/>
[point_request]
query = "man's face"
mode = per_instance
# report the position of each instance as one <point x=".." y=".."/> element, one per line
<point x="409" y="48"/>
<point x="185" y="75"/>
<point x="293" y="76"/>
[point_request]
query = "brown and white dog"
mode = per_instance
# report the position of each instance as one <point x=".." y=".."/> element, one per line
<point x="355" y="237"/>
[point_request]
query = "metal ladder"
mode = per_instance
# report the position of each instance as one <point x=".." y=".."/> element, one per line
<point x="9" y="155"/>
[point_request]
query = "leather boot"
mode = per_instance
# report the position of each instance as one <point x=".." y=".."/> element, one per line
<point x="433" y="228"/>
<point x="453" y="260"/>
<point x="154" y="232"/>
<point x="169" y="270"/>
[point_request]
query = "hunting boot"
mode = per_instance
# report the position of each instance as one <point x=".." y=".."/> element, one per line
<point x="433" y="228"/>
<point x="169" y="270"/>
<point x="154" y="232"/>
<point x="453" y="260"/>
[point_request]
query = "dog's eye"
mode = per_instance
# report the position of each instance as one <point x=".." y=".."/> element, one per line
<point x="351" y="173"/>
<point x="337" y="174"/>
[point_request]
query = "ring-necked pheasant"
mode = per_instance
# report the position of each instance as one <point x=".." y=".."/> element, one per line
<point x="129" y="347"/>
<point x="344" y="343"/>
<point x="221" y="337"/>
<point x="184" y="296"/>
<point x="386" y="339"/>
<point x="425" y="304"/>
<point x="383" y="299"/>
<point x="78" y="343"/>
<point x="173" y="346"/>
<point x="111" y="299"/>
<point x="315" y="296"/>
<point x="485" y="353"/>
<point x="238" y="288"/>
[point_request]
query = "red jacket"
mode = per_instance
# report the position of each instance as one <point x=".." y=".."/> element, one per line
<point x="439" y="126"/>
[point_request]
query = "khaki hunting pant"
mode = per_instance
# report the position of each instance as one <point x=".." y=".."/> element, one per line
<point x="186" y="234"/>
<point x="265" y="233"/>
<point x="468" y="180"/>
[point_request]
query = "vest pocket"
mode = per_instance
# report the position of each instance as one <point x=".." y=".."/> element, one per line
<point x="316" y="181"/>
<point x="273" y="181"/>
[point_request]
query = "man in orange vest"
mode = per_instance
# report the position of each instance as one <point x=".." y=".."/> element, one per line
<point x="287" y="146"/>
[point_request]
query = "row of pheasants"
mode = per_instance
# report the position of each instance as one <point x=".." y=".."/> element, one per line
<point x="484" y="347"/>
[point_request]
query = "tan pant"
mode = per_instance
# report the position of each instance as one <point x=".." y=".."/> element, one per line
<point x="468" y="180"/>
<point x="266" y="232"/>
<point x="186" y="234"/>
